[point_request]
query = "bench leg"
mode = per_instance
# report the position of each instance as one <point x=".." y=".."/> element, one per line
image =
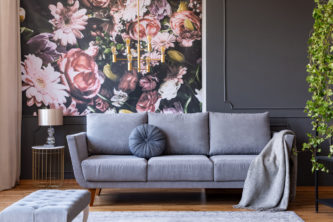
<point x="99" y="190"/>
<point x="85" y="214"/>
<point x="92" y="199"/>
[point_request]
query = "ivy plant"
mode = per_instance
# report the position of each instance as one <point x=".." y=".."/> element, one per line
<point x="320" y="79"/>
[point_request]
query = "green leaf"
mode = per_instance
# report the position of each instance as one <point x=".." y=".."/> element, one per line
<point x="187" y="104"/>
<point x="102" y="97"/>
<point x="107" y="51"/>
<point x="91" y="109"/>
<point x="25" y="29"/>
<point x="319" y="107"/>
<point x="197" y="72"/>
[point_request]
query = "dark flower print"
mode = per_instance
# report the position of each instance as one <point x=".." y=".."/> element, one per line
<point x="96" y="3"/>
<point x="81" y="72"/>
<point x="149" y="26"/>
<point x="43" y="47"/>
<point x="148" y="102"/>
<point x="187" y="26"/>
<point x="160" y="9"/>
<point x="177" y="108"/>
<point x="148" y="82"/>
<point x="128" y="82"/>
<point x="101" y="104"/>
<point x="76" y="54"/>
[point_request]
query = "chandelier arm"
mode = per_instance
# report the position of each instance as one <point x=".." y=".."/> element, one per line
<point x="136" y="59"/>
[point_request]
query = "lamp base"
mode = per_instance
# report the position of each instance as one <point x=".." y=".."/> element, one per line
<point x="50" y="141"/>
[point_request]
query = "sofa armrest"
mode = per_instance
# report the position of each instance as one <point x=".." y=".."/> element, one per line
<point x="78" y="149"/>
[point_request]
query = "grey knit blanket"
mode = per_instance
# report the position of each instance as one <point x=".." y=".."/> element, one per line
<point x="267" y="185"/>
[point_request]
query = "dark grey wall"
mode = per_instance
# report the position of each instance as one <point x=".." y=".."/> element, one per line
<point x="32" y="134"/>
<point x="256" y="57"/>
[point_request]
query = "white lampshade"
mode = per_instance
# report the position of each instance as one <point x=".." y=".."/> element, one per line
<point x="50" y="117"/>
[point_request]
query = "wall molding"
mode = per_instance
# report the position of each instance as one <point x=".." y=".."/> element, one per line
<point x="227" y="101"/>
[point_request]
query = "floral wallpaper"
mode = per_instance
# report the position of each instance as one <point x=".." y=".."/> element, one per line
<point x="67" y="59"/>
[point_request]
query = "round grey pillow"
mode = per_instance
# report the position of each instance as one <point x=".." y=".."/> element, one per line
<point x="147" y="141"/>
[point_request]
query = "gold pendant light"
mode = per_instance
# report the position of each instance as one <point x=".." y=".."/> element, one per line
<point x="130" y="58"/>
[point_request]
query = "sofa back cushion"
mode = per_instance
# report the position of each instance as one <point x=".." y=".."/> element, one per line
<point x="185" y="133"/>
<point x="108" y="133"/>
<point x="244" y="133"/>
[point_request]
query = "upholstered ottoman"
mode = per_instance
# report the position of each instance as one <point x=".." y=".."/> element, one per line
<point x="48" y="206"/>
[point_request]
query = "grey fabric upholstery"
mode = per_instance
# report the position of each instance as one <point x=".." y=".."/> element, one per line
<point x="78" y="150"/>
<point x="169" y="171"/>
<point x="231" y="167"/>
<point x="114" y="168"/>
<point x="291" y="143"/>
<point x="267" y="185"/>
<point x="108" y="133"/>
<point x="186" y="133"/>
<point x="147" y="141"/>
<point x="180" y="168"/>
<point x="232" y="133"/>
<point x="47" y="205"/>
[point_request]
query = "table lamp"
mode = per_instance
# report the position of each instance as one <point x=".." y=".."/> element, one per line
<point x="50" y="117"/>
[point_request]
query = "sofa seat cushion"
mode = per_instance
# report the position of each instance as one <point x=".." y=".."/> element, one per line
<point x="186" y="134"/>
<point x="107" y="168"/>
<point x="180" y="168"/>
<point x="231" y="167"/>
<point x="108" y="133"/>
<point x="238" y="133"/>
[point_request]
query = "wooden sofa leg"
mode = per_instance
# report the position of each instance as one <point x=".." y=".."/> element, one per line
<point x="99" y="190"/>
<point x="93" y="193"/>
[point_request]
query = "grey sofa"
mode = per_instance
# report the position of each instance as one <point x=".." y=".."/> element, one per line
<point x="204" y="150"/>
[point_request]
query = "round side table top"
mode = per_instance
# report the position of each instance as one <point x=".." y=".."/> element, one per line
<point x="46" y="147"/>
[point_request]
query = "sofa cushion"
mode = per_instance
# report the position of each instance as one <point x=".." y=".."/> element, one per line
<point x="232" y="133"/>
<point x="180" y="168"/>
<point x="231" y="167"/>
<point x="107" y="168"/>
<point x="47" y="205"/>
<point x="147" y="141"/>
<point x="185" y="133"/>
<point x="108" y="133"/>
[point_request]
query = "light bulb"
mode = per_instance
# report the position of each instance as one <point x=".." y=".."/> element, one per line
<point x="162" y="49"/>
<point x="128" y="49"/>
<point x="162" y="54"/>
<point x="129" y="64"/>
<point x="148" y="60"/>
<point x="114" y="54"/>
<point x="128" y="41"/>
<point x="113" y="50"/>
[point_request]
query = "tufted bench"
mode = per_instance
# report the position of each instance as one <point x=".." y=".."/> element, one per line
<point x="48" y="206"/>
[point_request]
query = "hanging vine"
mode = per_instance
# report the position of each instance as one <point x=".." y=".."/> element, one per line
<point x="320" y="79"/>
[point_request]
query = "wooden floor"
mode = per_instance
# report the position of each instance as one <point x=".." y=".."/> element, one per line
<point x="184" y="200"/>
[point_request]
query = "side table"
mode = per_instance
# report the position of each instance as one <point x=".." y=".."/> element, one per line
<point x="48" y="166"/>
<point x="328" y="202"/>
